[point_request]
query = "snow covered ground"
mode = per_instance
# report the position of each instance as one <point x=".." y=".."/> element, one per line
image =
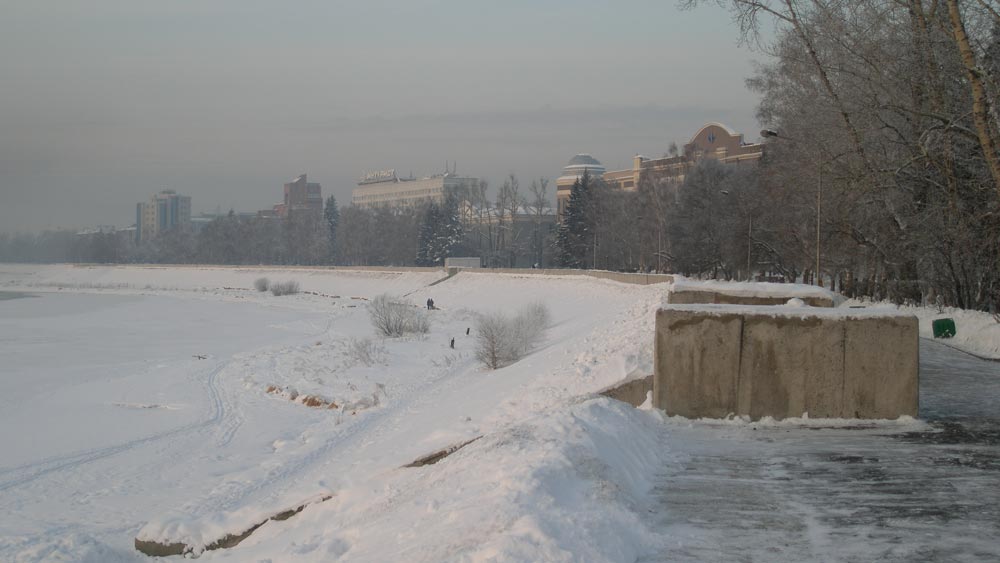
<point x="141" y="396"/>
<point x="976" y="331"/>
<point x="136" y="403"/>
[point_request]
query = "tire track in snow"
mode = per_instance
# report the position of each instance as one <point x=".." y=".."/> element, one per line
<point x="223" y="414"/>
<point x="32" y="471"/>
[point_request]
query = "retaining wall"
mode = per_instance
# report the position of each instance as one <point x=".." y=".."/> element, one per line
<point x="716" y="360"/>
<point x="623" y="277"/>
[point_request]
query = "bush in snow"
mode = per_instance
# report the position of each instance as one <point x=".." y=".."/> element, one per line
<point x="284" y="288"/>
<point x="392" y="317"/>
<point x="262" y="284"/>
<point x="366" y="351"/>
<point x="501" y="340"/>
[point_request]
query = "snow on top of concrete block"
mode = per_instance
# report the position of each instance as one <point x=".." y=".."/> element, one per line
<point x="753" y="289"/>
<point x="790" y="311"/>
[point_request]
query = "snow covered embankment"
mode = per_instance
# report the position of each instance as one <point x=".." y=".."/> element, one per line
<point x="570" y="485"/>
<point x="257" y="454"/>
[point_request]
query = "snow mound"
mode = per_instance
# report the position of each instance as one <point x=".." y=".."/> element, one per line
<point x="75" y="547"/>
<point x="754" y="289"/>
<point x="570" y="485"/>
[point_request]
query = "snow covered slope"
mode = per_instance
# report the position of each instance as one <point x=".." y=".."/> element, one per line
<point x="141" y="401"/>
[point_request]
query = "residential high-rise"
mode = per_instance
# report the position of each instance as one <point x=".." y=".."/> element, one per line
<point x="164" y="211"/>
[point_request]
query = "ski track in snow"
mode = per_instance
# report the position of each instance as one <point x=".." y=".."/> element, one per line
<point x="27" y="473"/>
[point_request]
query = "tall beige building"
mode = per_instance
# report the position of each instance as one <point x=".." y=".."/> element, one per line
<point x="386" y="189"/>
<point x="713" y="140"/>
<point x="165" y="210"/>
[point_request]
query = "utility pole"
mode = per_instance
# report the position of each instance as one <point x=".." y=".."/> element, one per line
<point x="819" y="200"/>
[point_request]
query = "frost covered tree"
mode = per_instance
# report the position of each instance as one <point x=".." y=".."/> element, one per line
<point x="539" y="207"/>
<point x="509" y="204"/>
<point x="332" y="217"/>
<point x="427" y="239"/>
<point x="440" y="231"/>
<point x="885" y="175"/>
<point x="449" y="235"/>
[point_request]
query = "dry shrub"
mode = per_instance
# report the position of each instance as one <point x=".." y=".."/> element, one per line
<point x="262" y="284"/>
<point x="366" y="351"/>
<point x="290" y="287"/>
<point x="501" y="340"/>
<point x="393" y="317"/>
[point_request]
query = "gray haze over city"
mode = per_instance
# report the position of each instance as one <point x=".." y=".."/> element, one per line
<point x="103" y="104"/>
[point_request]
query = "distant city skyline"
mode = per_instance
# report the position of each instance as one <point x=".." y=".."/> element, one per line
<point x="227" y="101"/>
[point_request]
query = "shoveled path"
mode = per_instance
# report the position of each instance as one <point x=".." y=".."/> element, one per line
<point x="751" y="493"/>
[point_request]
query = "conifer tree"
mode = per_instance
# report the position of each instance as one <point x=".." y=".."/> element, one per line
<point x="571" y="238"/>
<point x="448" y="234"/>
<point x="427" y="239"/>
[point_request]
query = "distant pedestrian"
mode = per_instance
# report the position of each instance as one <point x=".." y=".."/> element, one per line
<point x="430" y="303"/>
<point x="467" y="329"/>
<point x="453" y="343"/>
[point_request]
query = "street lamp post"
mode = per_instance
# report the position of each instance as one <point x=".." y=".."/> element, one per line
<point x="819" y="200"/>
<point x="749" y="238"/>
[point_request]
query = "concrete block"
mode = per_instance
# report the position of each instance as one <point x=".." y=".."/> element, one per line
<point x="790" y="366"/>
<point x="697" y="363"/>
<point x="882" y="358"/>
<point x="713" y="360"/>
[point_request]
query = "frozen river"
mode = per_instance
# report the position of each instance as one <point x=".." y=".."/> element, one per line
<point x="111" y="404"/>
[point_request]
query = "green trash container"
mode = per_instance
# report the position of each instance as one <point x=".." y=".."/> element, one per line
<point x="943" y="328"/>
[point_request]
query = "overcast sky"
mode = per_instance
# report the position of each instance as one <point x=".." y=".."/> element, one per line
<point x="103" y="103"/>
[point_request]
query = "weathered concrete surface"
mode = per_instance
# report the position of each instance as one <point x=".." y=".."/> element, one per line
<point x="686" y="296"/>
<point x="881" y="364"/>
<point x="632" y="391"/>
<point x="697" y="363"/>
<point x="790" y="366"/>
<point x="784" y="362"/>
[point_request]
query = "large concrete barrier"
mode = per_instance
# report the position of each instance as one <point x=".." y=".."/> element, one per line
<point x="717" y="360"/>
<point x="690" y="292"/>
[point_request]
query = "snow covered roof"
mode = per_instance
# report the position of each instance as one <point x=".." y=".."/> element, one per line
<point x="584" y="159"/>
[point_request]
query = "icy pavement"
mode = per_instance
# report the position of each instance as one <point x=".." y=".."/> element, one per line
<point x="918" y="492"/>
